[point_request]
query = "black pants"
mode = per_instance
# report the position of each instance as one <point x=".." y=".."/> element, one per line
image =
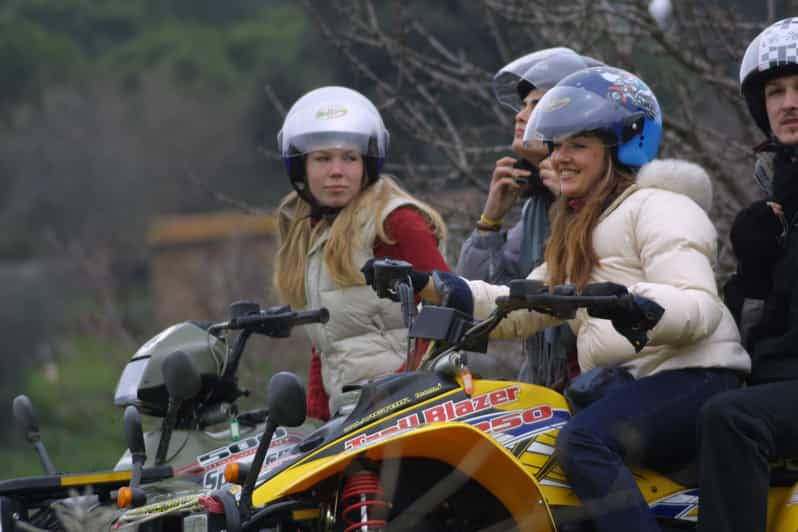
<point x="739" y="431"/>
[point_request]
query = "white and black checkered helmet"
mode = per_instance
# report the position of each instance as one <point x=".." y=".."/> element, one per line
<point x="773" y="53"/>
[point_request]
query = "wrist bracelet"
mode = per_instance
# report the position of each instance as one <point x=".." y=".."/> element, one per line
<point x="488" y="227"/>
<point x="484" y="220"/>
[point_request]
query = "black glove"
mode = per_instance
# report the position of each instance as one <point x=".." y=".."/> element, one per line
<point x="630" y="314"/>
<point x="388" y="272"/>
<point x="756" y="235"/>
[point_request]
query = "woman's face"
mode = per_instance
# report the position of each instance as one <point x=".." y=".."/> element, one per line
<point x="580" y="162"/>
<point x="335" y="176"/>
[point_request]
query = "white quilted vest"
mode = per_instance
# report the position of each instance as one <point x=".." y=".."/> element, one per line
<point x="365" y="336"/>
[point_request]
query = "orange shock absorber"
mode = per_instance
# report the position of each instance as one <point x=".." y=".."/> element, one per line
<point x="363" y="503"/>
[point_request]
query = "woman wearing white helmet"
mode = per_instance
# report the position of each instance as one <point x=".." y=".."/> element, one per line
<point x="342" y="212"/>
<point x="742" y="430"/>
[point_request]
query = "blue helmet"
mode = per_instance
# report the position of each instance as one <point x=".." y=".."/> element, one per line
<point x="601" y="99"/>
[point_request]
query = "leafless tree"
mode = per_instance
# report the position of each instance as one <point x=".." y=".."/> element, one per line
<point x="437" y="96"/>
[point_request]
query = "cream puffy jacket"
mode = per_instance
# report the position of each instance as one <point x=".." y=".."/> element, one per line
<point x="657" y="240"/>
<point x="365" y="336"/>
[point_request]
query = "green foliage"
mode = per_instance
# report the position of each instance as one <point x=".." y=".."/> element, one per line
<point x="79" y="424"/>
<point x="271" y="40"/>
<point x="209" y="12"/>
<point x="224" y="57"/>
<point x="31" y="58"/>
<point x="221" y="44"/>
<point x="94" y="26"/>
<point x="191" y="53"/>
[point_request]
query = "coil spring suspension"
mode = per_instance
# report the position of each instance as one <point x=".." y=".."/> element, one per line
<point x="363" y="503"/>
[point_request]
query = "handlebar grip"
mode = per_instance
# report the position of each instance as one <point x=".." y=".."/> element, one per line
<point x="286" y="319"/>
<point x="321" y="315"/>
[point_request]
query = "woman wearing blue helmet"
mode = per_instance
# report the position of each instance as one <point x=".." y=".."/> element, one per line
<point x="496" y="256"/>
<point x="625" y="222"/>
<point x="625" y="225"/>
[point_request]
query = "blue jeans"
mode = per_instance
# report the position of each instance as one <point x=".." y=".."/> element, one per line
<point x="651" y="422"/>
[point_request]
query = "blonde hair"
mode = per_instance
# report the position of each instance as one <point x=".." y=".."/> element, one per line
<point x="569" y="254"/>
<point x="297" y="234"/>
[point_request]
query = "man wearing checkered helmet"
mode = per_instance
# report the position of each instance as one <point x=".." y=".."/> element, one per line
<point x="743" y="429"/>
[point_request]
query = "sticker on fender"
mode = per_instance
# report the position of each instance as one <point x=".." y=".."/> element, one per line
<point x="448" y="411"/>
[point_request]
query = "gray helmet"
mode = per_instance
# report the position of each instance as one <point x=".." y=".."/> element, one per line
<point x="539" y="70"/>
<point x="773" y="53"/>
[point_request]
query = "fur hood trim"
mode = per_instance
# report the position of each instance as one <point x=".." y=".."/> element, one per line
<point x="676" y="175"/>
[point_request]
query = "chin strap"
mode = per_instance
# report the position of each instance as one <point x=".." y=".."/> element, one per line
<point x="318" y="212"/>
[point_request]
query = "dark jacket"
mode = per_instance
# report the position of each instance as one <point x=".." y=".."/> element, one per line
<point x="767" y="250"/>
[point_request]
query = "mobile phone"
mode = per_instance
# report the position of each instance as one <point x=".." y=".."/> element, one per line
<point x="531" y="185"/>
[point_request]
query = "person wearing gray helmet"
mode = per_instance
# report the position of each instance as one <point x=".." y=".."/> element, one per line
<point x="497" y="256"/>
<point x="741" y="431"/>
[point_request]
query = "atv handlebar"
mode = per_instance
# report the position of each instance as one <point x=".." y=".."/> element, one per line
<point x="274" y="321"/>
<point x="461" y="332"/>
<point x="279" y="321"/>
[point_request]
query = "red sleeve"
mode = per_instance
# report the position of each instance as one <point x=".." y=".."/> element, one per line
<point x="317" y="400"/>
<point x="414" y="239"/>
<point x="416" y="244"/>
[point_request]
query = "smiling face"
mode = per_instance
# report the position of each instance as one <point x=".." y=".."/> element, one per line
<point x="781" y="103"/>
<point x="580" y="162"/>
<point x="535" y="151"/>
<point x="334" y="176"/>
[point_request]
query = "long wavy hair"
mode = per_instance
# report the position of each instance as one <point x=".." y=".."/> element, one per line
<point x="297" y="235"/>
<point x="570" y="256"/>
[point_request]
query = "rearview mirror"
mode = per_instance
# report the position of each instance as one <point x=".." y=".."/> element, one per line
<point x="182" y="379"/>
<point x="286" y="400"/>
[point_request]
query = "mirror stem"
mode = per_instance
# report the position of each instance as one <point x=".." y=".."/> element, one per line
<point x="254" y="470"/>
<point x="166" y="431"/>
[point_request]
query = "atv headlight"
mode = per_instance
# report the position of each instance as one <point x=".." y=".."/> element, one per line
<point x="128" y="386"/>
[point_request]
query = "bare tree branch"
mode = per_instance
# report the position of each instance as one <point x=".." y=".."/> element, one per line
<point x="435" y="90"/>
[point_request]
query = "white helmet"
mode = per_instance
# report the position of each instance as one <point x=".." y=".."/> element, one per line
<point x="332" y="117"/>
<point x="773" y="53"/>
<point x="539" y="70"/>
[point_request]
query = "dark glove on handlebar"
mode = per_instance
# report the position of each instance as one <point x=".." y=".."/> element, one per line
<point x="631" y="315"/>
<point x="454" y="291"/>
<point x="418" y="280"/>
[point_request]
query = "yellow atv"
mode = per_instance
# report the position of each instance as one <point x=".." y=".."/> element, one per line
<point x="441" y="448"/>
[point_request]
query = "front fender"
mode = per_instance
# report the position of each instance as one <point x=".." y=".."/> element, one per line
<point x="457" y="444"/>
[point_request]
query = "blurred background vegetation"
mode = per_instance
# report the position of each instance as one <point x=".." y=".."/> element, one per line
<point x="115" y="112"/>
